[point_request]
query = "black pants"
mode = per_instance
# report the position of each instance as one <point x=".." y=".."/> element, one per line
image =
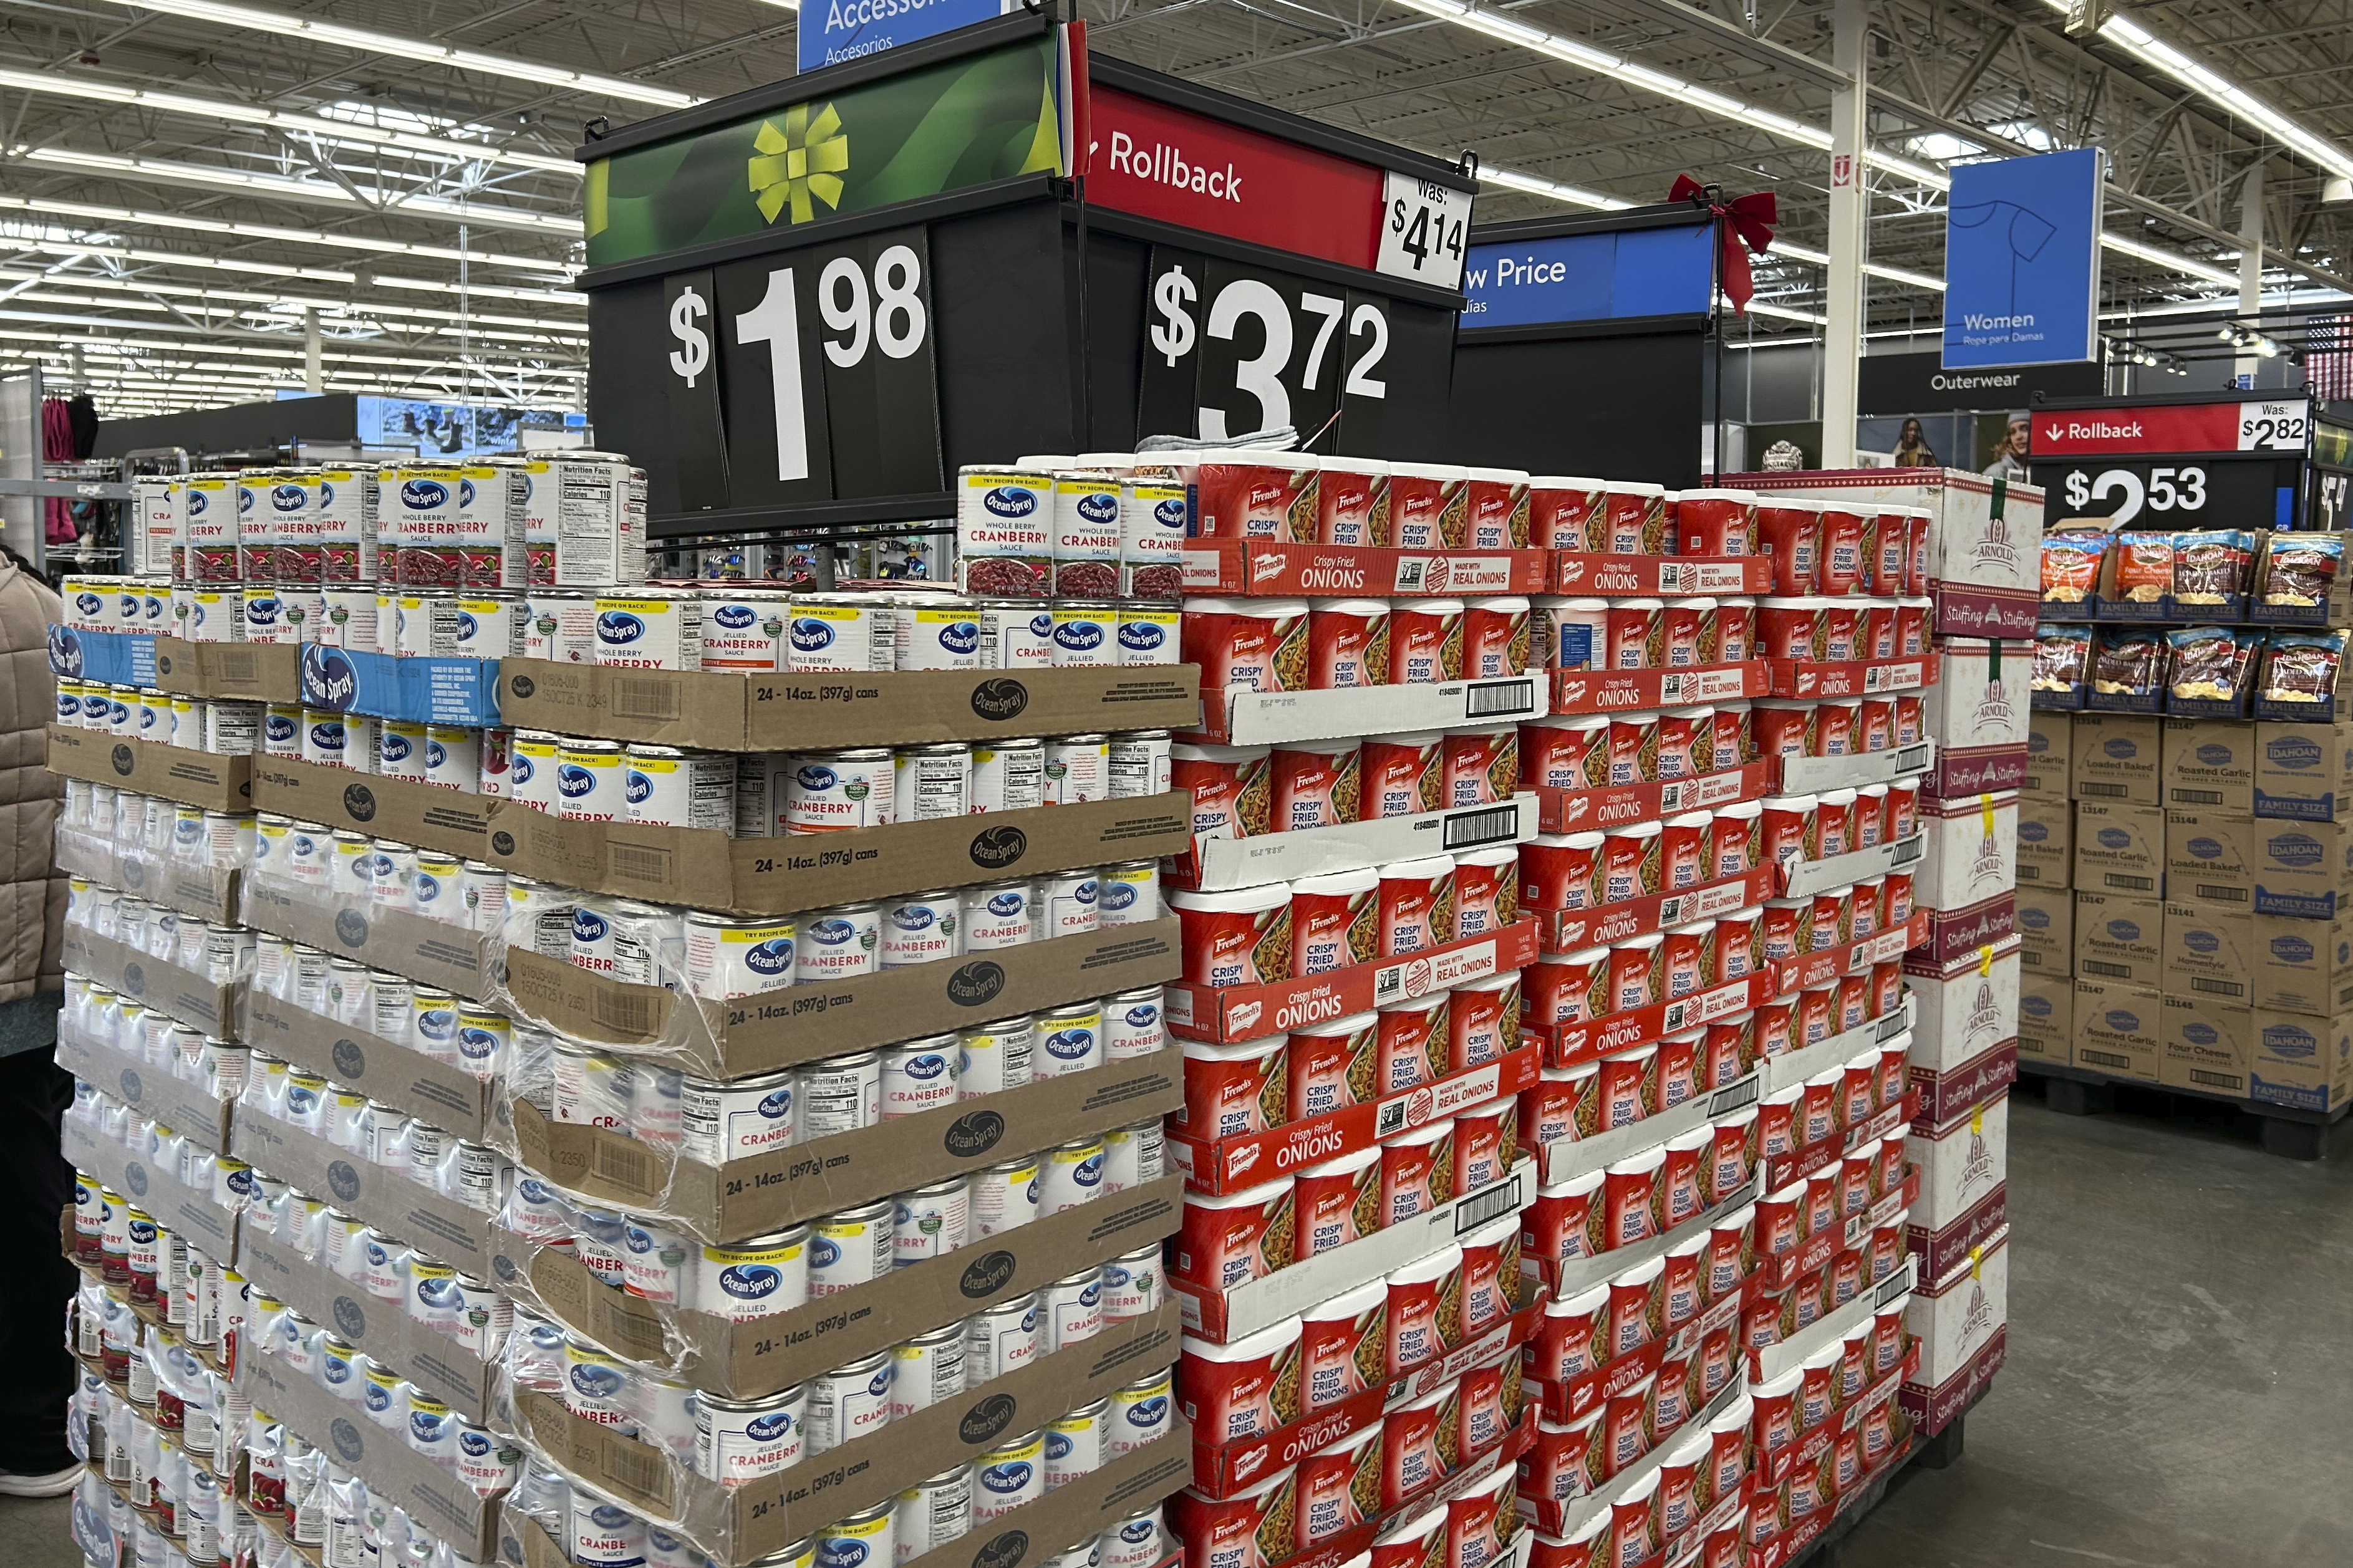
<point x="37" y="1374"/>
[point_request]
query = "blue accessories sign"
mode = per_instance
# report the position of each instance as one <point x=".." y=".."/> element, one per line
<point x="2023" y="262"/>
<point x="832" y="31"/>
<point x="1590" y="277"/>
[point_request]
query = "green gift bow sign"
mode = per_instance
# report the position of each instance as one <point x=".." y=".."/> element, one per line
<point x="959" y="123"/>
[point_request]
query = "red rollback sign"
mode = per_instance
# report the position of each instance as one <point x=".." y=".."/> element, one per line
<point x="1159" y="162"/>
<point x="2179" y="428"/>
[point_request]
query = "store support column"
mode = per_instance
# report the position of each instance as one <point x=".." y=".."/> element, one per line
<point x="1842" y="288"/>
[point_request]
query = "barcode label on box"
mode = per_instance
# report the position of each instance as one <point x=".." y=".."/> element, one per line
<point x="2101" y="1058"/>
<point x="2197" y="797"/>
<point x="1487" y="697"/>
<point x="1501" y="1199"/>
<point x="2222" y="895"/>
<point x="2115" y="971"/>
<point x="2228" y="1083"/>
<point x="1495" y="824"/>
<point x="2102" y="790"/>
<point x="2128" y="882"/>
<point x="638" y="862"/>
<point x="2217" y="987"/>
<point x="637" y="697"/>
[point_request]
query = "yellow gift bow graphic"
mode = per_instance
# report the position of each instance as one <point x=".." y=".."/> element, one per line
<point x="805" y="159"/>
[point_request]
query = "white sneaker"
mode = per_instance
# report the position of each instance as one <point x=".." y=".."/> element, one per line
<point x="57" y="1483"/>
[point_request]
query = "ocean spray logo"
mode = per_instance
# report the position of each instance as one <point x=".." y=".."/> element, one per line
<point x="772" y="957"/>
<point x="735" y="617"/>
<point x="424" y="495"/>
<point x="811" y="635"/>
<point x="288" y="498"/>
<point x="1142" y="636"/>
<point x="618" y="628"/>
<point x="1098" y="506"/>
<point x="1009" y="501"/>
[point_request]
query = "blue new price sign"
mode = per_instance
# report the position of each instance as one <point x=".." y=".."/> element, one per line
<point x="2023" y="262"/>
<point x="832" y="31"/>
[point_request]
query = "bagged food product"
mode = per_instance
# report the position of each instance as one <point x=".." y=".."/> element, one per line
<point x="2300" y="568"/>
<point x="2063" y="657"/>
<point x="2144" y="566"/>
<point x="2210" y="663"/>
<point x="2300" y="667"/>
<point x="2211" y="565"/>
<point x="2128" y="662"/>
<point x="2070" y="566"/>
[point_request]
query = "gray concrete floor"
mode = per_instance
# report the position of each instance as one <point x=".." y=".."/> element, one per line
<point x="2176" y="1393"/>
<point x="2175" y="1397"/>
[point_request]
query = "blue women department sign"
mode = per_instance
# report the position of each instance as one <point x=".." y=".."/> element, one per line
<point x="2022" y="260"/>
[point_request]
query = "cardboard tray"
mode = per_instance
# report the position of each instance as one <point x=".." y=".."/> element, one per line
<point x="1281" y="569"/>
<point x="151" y="1092"/>
<point x="445" y="691"/>
<point x="427" y="816"/>
<point x="812" y="710"/>
<point x="442" y="1227"/>
<point x="249" y="672"/>
<point x="705" y="868"/>
<point x="1599" y="1499"/>
<point x="1240" y="716"/>
<point x="806" y="1022"/>
<point x="1805" y="876"/>
<point x="1768" y="1362"/>
<point x="201" y="892"/>
<point x="1811" y="776"/>
<point x="1853" y="678"/>
<point x="448" y="1097"/>
<point x="1218" y="1165"/>
<point x="1796" y="1067"/>
<point x="1225" y="1014"/>
<point x="1024" y="1538"/>
<point x="1226" y="1315"/>
<point x="1583" y="810"/>
<point x="743" y="1524"/>
<point x="1221" y="1472"/>
<point x="1577" y="572"/>
<point x="452" y="957"/>
<point x="1608" y="925"/>
<point x="207" y="779"/>
<point x="1816" y="1439"/>
<point x="1224" y="865"/>
<point x="1779" y="1170"/>
<point x="1581" y="1274"/>
<point x="768" y="1192"/>
<point x="184" y="994"/>
<point x="174" y="1205"/>
<point x="435" y="1363"/>
<point x="1638" y="691"/>
<point x="432" y="1496"/>
<point x="1573" y="1157"/>
<point x="763" y="1355"/>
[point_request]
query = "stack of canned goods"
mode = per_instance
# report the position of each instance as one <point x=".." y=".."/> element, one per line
<point x="722" y="958"/>
<point x="574" y="517"/>
<point x="754" y="627"/>
<point x="337" y="865"/>
<point x="770" y="794"/>
<point x="453" y="1030"/>
<point x="159" y="831"/>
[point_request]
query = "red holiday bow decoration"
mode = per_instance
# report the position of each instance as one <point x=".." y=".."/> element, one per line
<point x="1746" y="220"/>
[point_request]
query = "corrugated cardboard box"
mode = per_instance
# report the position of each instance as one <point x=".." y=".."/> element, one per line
<point x="1971" y="850"/>
<point x="2117" y="758"/>
<point x="2119" y="848"/>
<point x="2046" y="931"/>
<point x="2208" y="951"/>
<point x="1959" y="1162"/>
<point x="1967" y="1007"/>
<point x="2205" y="1046"/>
<point x="2302" y="966"/>
<point x="207" y="779"/>
<point x="2209" y="764"/>
<point x="2050" y="754"/>
<point x="2046" y="841"/>
<point x="2116" y="1029"/>
<point x="2210" y="857"/>
<point x="2046" y="1019"/>
<point x="2301" y="1061"/>
<point x="2119" y="938"/>
<point x="2302" y="771"/>
<point x="2302" y="869"/>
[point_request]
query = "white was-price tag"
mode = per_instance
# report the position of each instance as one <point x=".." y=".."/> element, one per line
<point x="2269" y="427"/>
<point x="1424" y="228"/>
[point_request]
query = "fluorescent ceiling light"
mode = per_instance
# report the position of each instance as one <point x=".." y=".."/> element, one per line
<point x="1675" y="89"/>
<point x="493" y="214"/>
<point x="366" y="41"/>
<point x="174" y="258"/>
<point x="434" y="286"/>
<point x="2224" y="94"/>
<point x="275" y="118"/>
<point x="223" y="226"/>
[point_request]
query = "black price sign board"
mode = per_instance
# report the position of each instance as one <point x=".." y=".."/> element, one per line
<point x="2134" y="492"/>
<point x="802" y="376"/>
<point x="1230" y="349"/>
